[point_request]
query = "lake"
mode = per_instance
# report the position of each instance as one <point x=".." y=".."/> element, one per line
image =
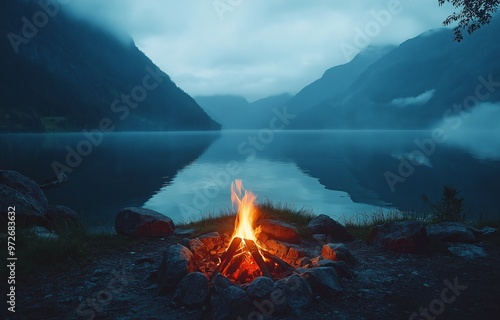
<point x="188" y="174"/>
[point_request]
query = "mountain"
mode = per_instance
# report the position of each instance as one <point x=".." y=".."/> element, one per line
<point x="235" y="112"/>
<point x="335" y="81"/>
<point x="64" y="74"/>
<point x="413" y="85"/>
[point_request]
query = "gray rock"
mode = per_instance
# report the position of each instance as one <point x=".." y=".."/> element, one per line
<point x="338" y="252"/>
<point x="143" y="222"/>
<point x="211" y="240"/>
<point x="221" y="283"/>
<point x="323" y="224"/>
<point x="25" y="185"/>
<point x="278" y="230"/>
<point x="62" y="217"/>
<point x="232" y="303"/>
<point x="293" y="294"/>
<point x="260" y="288"/>
<point x="176" y="264"/>
<point x="192" y="291"/>
<point x="42" y="233"/>
<point x="323" y="281"/>
<point x="321" y="238"/>
<point x="405" y="236"/>
<point x="450" y="232"/>
<point x="488" y="231"/>
<point x="23" y="193"/>
<point x="467" y="251"/>
<point x="342" y="268"/>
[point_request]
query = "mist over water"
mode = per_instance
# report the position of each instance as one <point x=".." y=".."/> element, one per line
<point x="187" y="175"/>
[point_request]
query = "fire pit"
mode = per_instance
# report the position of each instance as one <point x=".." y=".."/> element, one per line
<point x="261" y="260"/>
<point x="244" y="260"/>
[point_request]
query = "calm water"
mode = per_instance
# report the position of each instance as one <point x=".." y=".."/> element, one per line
<point x="186" y="175"/>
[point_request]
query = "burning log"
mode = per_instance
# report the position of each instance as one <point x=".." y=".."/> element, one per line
<point x="254" y="251"/>
<point x="227" y="256"/>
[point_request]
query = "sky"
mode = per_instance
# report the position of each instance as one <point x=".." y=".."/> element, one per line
<point x="257" y="48"/>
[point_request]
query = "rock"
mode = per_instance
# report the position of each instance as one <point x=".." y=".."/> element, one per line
<point x="184" y="232"/>
<point x="450" y="232"/>
<point x="260" y="288"/>
<point x="198" y="249"/>
<point x="405" y="236"/>
<point x="342" y="268"/>
<point x="337" y="252"/>
<point x="321" y="238"/>
<point x="211" y="240"/>
<point x="323" y="224"/>
<point x="23" y="193"/>
<point x="303" y="261"/>
<point x="323" y="281"/>
<point x="143" y="222"/>
<point x="294" y="254"/>
<point x="278" y="230"/>
<point x="221" y="283"/>
<point x="42" y="233"/>
<point x="467" y="251"/>
<point x="278" y="248"/>
<point x="232" y="303"/>
<point x="192" y="291"/>
<point x="62" y="217"/>
<point x="293" y="293"/>
<point x="176" y="264"/>
<point x="316" y="260"/>
<point x="488" y="231"/>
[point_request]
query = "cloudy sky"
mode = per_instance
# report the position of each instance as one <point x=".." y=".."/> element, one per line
<point x="258" y="48"/>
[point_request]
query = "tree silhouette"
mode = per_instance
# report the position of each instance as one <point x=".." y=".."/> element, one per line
<point x="473" y="15"/>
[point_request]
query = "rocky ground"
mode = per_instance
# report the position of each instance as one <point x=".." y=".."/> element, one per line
<point x="387" y="285"/>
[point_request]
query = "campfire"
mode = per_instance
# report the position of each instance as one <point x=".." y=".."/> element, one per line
<point x="244" y="260"/>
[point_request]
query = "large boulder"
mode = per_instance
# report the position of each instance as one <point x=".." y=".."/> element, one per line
<point x="450" y="232"/>
<point x="232" y="303"/>
<point x="192" y="291"/>
<point x="336" y="232"/>
<point x="323" y="281"/>
<point x="400" y="236"/>
<point x="143" y="223"/>
<point x="27" y="197"/>
<point x="278" y="230"/>
<point x="177" y="262"/>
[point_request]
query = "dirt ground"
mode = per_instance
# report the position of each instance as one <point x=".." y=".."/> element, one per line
<point x="116" y="285"/>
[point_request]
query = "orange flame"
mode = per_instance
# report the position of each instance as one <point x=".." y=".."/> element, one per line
<point x="247" y="213"/>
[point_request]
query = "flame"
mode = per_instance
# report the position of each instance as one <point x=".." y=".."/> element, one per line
<point x="244" y="201"/>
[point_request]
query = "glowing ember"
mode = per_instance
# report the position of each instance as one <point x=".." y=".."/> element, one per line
<point x="247" y="213"/>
